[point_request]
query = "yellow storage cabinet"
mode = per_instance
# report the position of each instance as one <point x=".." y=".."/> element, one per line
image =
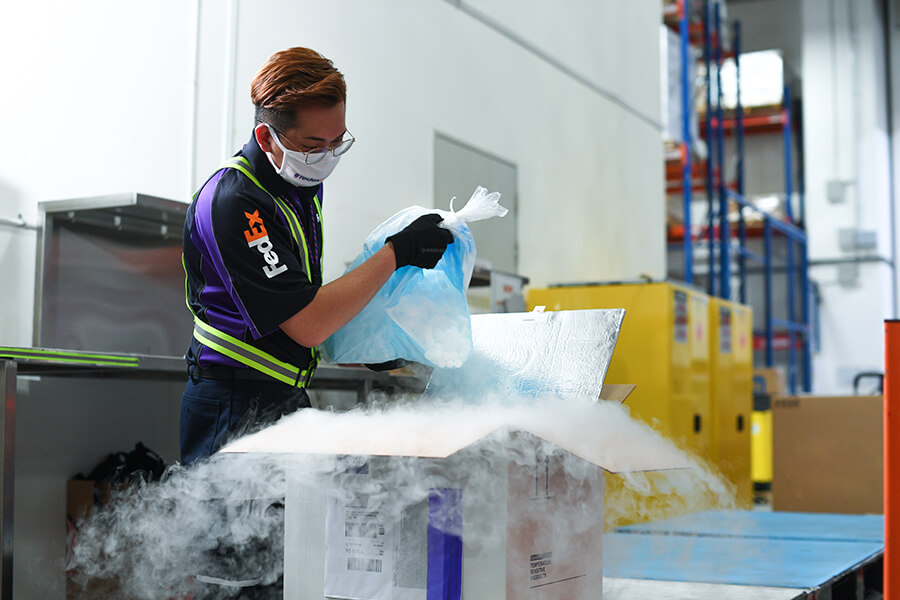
<point x="663" y="348"/>
<point x="761" y="452"/>
<point x="731" y="389"/>
<point x="761" y="440"/>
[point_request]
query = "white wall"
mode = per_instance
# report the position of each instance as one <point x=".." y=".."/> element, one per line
<point x="836" y="47"/>
<point x="845" y="137"/>
<point x="96" y="101"/>
<point x="415" y="67"/>
<point x="104" y="101"/>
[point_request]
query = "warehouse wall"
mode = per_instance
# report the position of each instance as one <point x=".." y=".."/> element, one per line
<point x="96" y="101"/>
<point x="582" y="160"/>
<point x="108" y="105"/>
<point x="846" y="139"/>
<point x="836" y="46"/>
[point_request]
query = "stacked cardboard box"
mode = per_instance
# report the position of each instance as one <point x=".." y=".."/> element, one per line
<point x="828" y="454"/>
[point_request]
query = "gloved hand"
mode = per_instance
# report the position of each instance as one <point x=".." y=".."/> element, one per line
<point x="422" y="243"/>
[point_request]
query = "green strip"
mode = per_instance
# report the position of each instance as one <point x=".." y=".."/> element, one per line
<point x="209" y="329"/>
<point x="75" y="361"/>
<point x="295" y="226"/>
<point x="242" y="359"/>
<point x="49" y="353"/>
<point x="187" y="288"/>
<point x="239" y="167"/>
<point x="292" y="222"/>
<point x="318" y="206"/>
<point x="322" y="229"/>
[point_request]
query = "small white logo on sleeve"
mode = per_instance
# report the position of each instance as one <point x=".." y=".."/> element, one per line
<point x="258" y="237"/>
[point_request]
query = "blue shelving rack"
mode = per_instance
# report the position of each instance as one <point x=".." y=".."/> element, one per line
<point x="724" y="247"/>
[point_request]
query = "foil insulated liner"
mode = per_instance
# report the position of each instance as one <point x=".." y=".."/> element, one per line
<point x="561" y="353"/>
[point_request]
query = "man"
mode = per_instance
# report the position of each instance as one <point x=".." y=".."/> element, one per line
<point x="253" y="258"/>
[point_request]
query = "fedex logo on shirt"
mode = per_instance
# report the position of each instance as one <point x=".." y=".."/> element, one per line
<point x="258" y="237"/>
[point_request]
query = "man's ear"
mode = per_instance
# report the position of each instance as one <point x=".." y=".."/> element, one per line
<point x="263" y="137"/>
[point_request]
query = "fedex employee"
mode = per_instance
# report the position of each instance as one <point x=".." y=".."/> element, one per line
<point x="253" y="258"/>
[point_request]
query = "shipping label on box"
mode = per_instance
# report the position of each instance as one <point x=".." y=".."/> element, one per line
<point x="508" y="527"/>
<point x="358" y="549"/>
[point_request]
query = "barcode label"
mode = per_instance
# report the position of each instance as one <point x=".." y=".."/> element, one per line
<point x="369" y="527"/>
<point x="359" y="547"/>
<point x="367" y="565"/>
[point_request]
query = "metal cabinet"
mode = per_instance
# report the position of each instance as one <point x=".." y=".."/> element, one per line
<point x="663" y="348"/>
<point x="731" y="392"/>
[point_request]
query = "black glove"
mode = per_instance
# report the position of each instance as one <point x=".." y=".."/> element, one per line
<point x="390" y="365"/>
<point x="421" y="243"/>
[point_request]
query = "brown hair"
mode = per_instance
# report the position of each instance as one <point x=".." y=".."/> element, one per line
<point x="294" y="79"/>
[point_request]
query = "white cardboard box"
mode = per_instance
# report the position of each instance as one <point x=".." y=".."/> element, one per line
<point x="527" y="505"/>
<point x="464" y="504"/>
<point x="517" y="536"/>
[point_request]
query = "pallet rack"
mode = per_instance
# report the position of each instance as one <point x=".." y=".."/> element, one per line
<point x="724" y="246"/>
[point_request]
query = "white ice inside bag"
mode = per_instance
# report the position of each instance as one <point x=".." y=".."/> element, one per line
<point x="420" y="315"/>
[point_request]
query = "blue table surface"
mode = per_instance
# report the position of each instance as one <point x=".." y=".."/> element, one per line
<point x="786" y="563"/>
<point x="770" y="525"/>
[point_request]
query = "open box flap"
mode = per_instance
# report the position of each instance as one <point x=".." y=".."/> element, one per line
<point x="562" y="353"/>
<point x="553" y="364"/>
<point x="615" y="451"/>
<point x="399" y="432"/>
<point x="616" y="392"/>
<point x="596" y="432"/>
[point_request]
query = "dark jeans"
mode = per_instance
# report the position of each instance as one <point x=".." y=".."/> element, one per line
<point x="215" y="411"/>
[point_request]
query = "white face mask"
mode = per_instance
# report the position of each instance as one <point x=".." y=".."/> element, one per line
<point x="294" y="169"/>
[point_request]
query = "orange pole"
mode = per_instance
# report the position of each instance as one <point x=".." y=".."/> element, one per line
<point x="892" y="459"/>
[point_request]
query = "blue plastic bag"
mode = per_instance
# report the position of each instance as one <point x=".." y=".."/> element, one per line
<point x="420" y="315"/>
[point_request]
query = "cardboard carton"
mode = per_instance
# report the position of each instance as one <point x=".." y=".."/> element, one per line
<point x="828" y="454"/>
<point x="774" y="380"/>
<point x="492" y="513"/>
<point x="512" y="540"/>
<point x="469" y="500"/>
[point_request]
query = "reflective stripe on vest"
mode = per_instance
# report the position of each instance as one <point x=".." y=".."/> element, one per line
<point x="241" y="351"/>
<point x="253" y="357"/>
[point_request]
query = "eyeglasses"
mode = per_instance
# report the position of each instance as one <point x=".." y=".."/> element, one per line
<point x="311" y="157"/>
